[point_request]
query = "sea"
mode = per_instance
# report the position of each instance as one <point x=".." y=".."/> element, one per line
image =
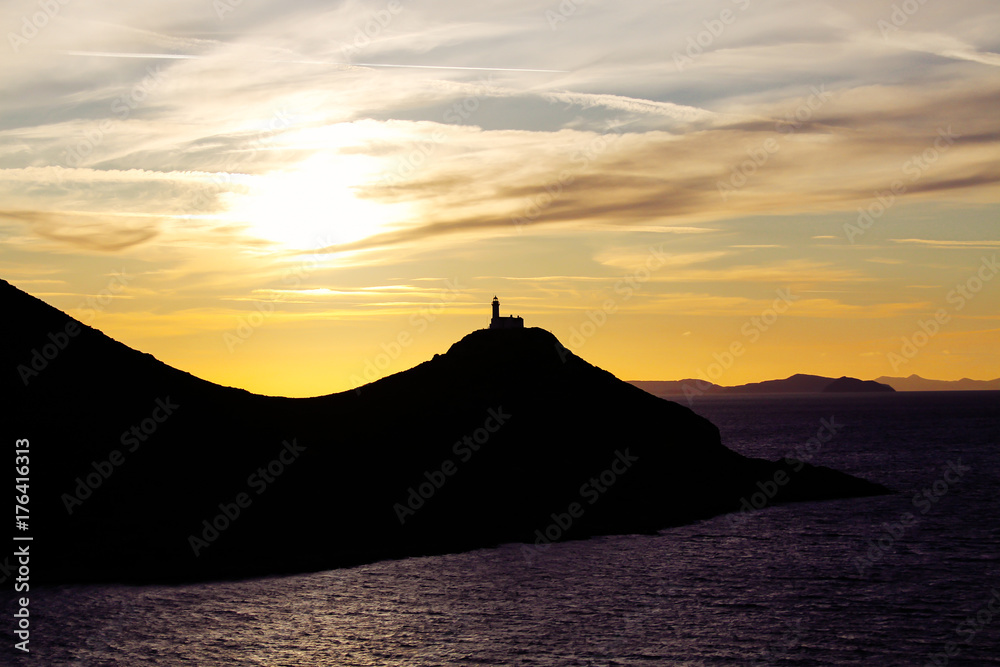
<point x="908" y="579"/>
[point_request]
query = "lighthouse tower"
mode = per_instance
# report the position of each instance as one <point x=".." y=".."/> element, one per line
<point x="509" y="322"/>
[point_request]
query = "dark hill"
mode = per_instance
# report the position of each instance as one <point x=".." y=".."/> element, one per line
<point x="506" y="434"/>
<point x="800" y="383"/>
<point x="846" y="384"/>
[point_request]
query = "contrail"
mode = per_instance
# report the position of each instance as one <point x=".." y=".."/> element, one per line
<point x="183" y="56"/>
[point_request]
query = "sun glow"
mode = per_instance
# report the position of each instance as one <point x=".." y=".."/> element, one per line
<point x="314" y="203"/>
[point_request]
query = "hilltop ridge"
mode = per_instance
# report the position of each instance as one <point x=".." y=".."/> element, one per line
<point x="142" y="472"/>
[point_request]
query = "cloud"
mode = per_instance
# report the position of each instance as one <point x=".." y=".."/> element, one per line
<point x="788" y="272"/>
<point x="239" y="108"/>
<point x="87" y="231"/>
<point x="327" y="63"/>
<point x="579" y="178"/>
<point x="964" y="245"/>
<point x="678" y="112"/>
<point x="946" y="46"/>
<point x="630" y="259"/>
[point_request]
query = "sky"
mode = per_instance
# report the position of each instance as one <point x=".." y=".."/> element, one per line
<point x="299" y="197"/>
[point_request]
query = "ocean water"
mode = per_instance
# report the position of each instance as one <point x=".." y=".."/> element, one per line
<point x="846" y="582"/>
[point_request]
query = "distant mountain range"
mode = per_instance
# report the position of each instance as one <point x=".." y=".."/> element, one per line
<point x="796" y="384"/>
<point x="801" y="383"/>
<point x="142" y="472"/>
<point x="917" y="383"/>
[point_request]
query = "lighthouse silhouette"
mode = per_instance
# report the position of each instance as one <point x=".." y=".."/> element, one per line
<point x="509" y="322"/>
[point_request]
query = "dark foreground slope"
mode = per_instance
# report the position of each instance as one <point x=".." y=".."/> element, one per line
<point x="141" y="472"/>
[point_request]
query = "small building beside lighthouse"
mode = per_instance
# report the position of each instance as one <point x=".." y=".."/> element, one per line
<point x="509" y="322"/>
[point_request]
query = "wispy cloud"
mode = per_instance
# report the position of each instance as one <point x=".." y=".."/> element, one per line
<point x="183" y="56"/>
<point x="946" y="46"/>
<point x="933" y="243"/>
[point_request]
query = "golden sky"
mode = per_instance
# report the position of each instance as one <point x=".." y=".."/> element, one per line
<point x="302" y="196"/>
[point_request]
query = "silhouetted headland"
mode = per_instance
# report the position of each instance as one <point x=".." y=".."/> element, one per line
<point x="142" y="472"/>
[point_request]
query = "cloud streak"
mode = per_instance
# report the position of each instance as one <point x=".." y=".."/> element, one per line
<point x="182" y="56"/>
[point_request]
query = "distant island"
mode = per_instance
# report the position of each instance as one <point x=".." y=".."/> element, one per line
<point x="801" y="383"/>
<point x="917" y="383"/>
<point x="141" y="472"/>
<point x="796" y="384"/>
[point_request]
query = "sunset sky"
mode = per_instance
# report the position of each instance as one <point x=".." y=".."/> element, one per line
<point x="297" y="197"/>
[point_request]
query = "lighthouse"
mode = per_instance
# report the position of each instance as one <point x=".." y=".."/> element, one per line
<point x="509" y="322"/>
